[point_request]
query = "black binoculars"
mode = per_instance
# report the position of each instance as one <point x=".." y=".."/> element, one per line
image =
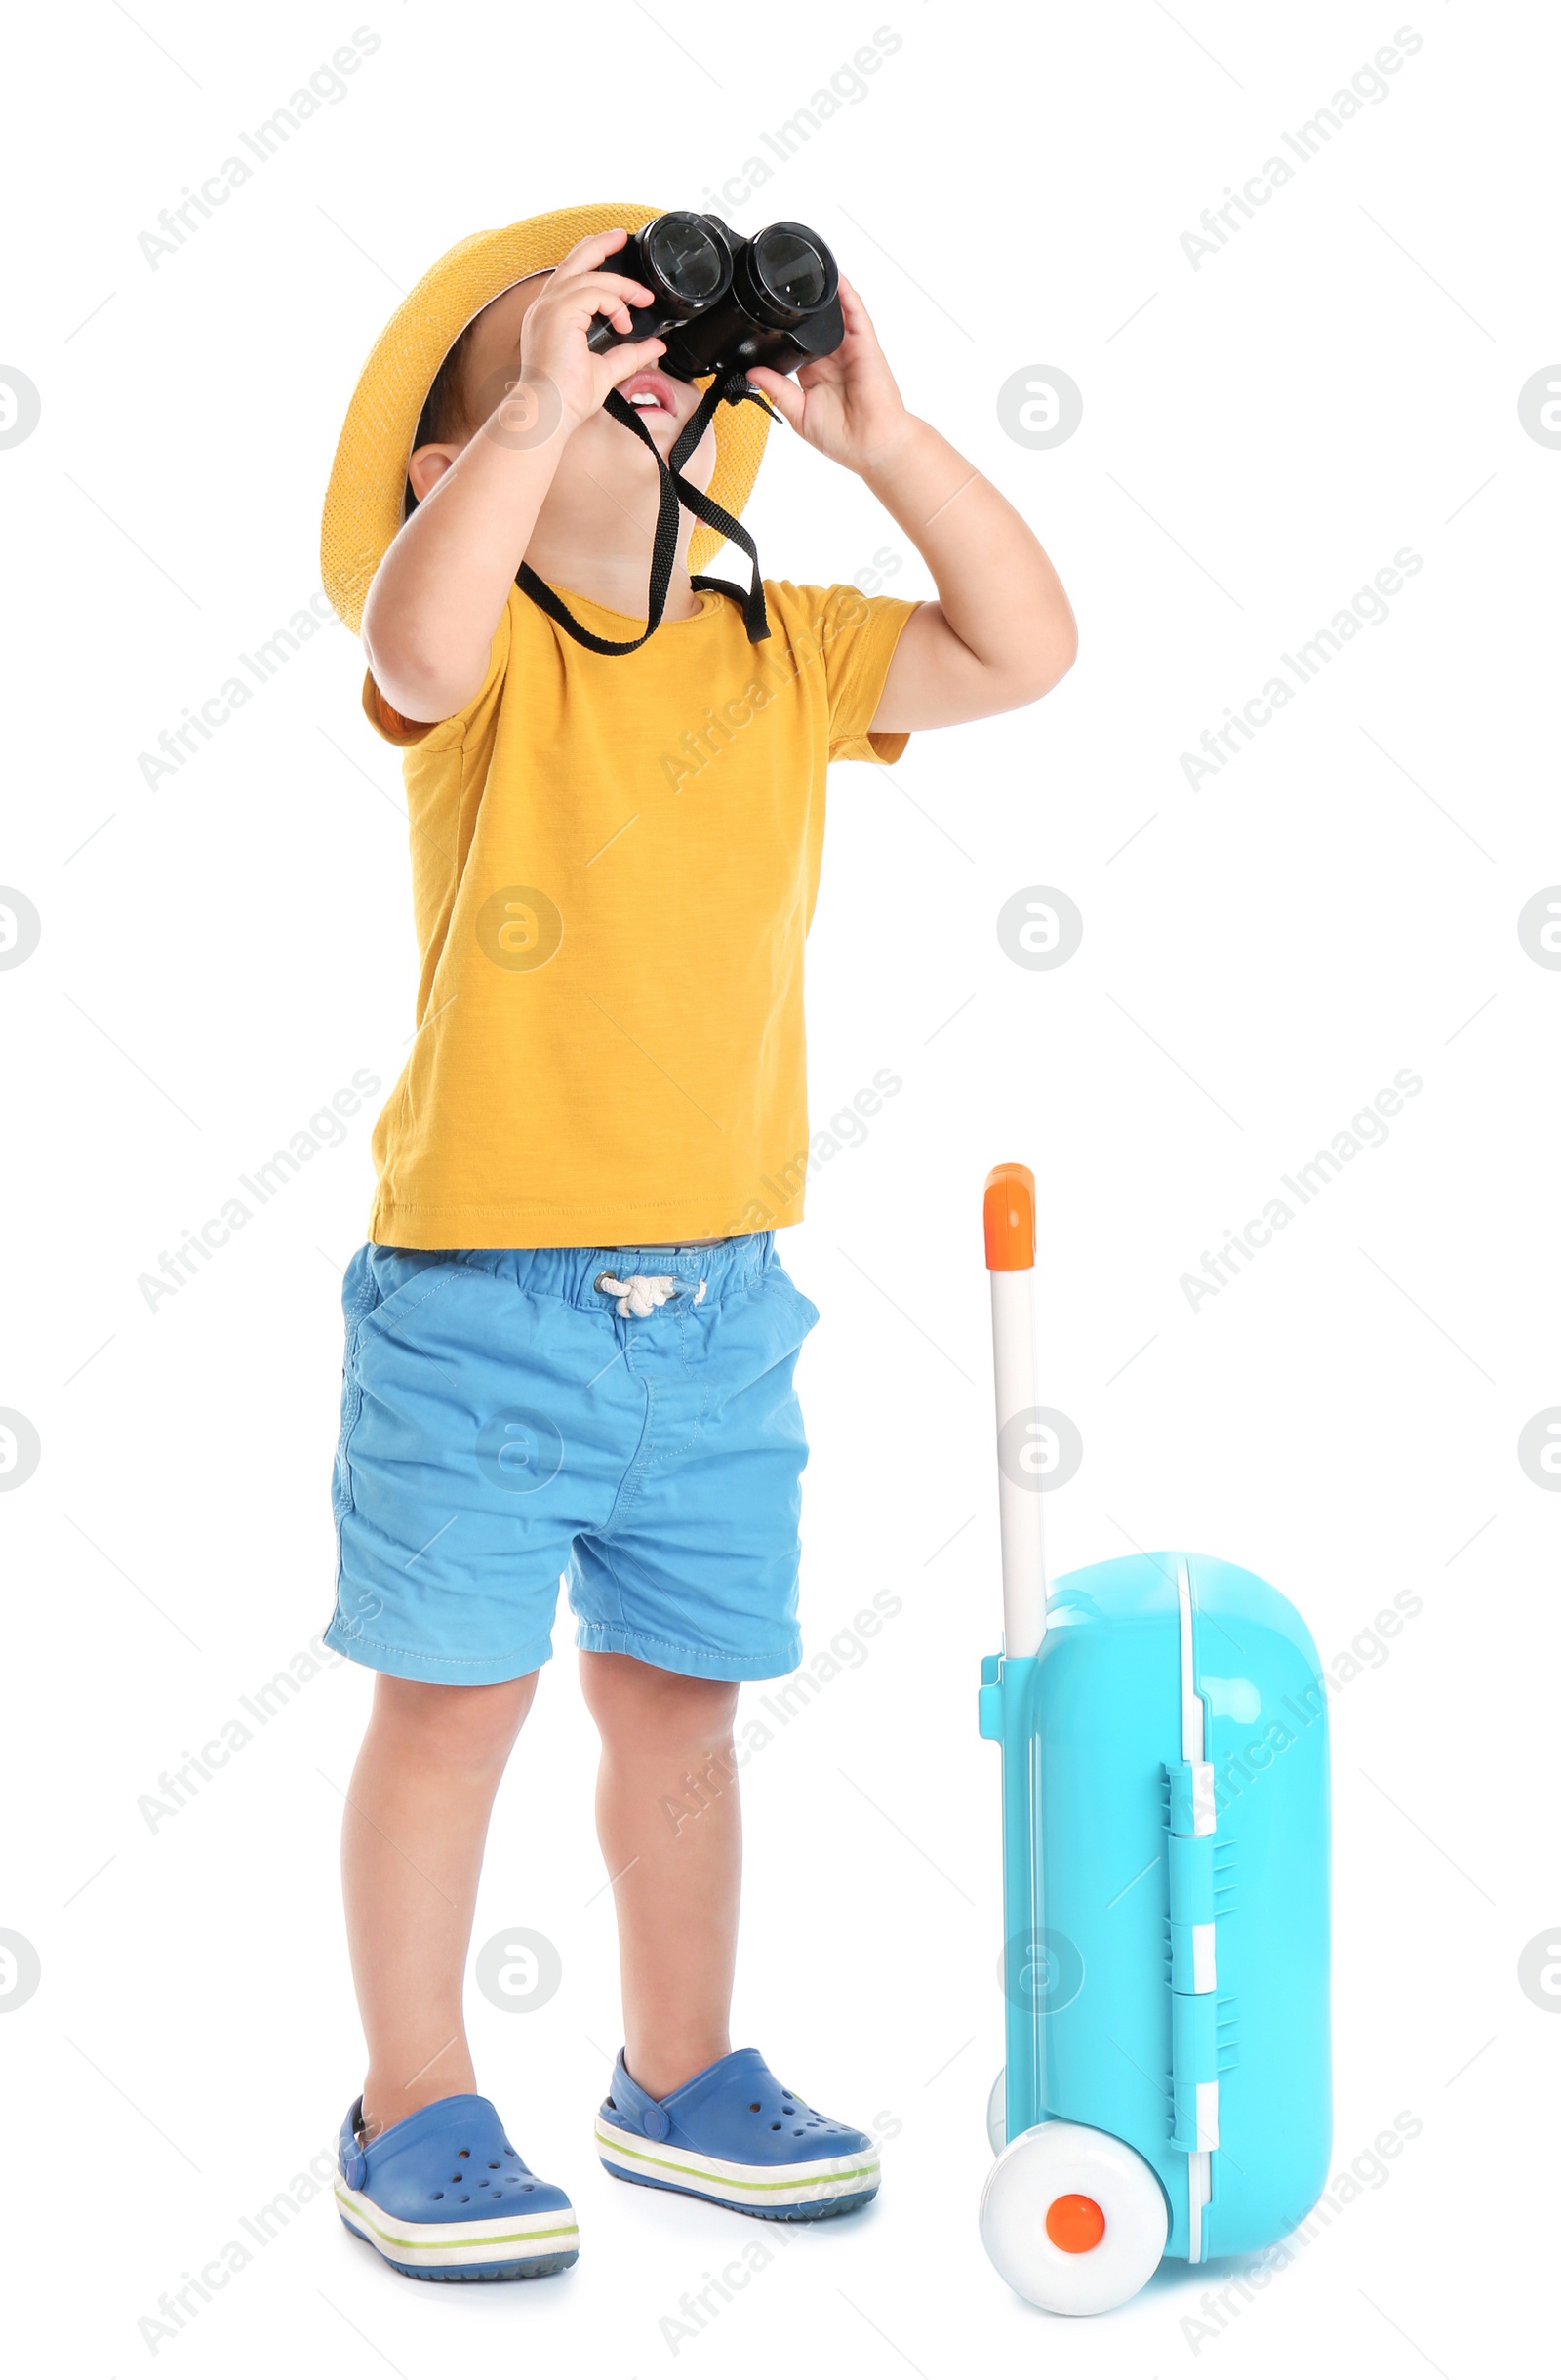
<point x="723" y="303"/>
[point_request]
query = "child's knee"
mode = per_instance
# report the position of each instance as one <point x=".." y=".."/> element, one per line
<point x="460" y="1726"/>
<point x="635" y="1704"/>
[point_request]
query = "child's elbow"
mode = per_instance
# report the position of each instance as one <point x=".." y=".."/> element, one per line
<point x="1065" y="652"/>
<point x="416" y="679"/>
<point x="1049" y="656"/>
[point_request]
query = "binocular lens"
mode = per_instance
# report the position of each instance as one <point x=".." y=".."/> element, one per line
<point x="720" y="303"/>
<point x="790" y="270"/>
<point x="684" y="258"/>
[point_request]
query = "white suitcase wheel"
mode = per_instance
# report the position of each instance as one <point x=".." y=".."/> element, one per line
<point x="997" y="2113"/>
<point x="1073" y="2219"/>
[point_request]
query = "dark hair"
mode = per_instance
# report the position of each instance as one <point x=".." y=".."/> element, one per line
<point x="444" y="409"/>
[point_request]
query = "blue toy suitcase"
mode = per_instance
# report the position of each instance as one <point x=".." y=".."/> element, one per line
<point x="1163" y="1740"/>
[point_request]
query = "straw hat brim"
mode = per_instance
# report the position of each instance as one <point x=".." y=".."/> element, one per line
<point x="364" y="501"/>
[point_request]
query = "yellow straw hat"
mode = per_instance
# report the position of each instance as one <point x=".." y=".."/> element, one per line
<point x="364" y="501"/>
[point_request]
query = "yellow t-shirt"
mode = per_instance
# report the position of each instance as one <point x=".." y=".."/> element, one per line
<point x="614" y="867"/>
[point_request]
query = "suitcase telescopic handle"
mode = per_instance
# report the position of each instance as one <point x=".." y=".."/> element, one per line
<point x="1008" y="1215"/>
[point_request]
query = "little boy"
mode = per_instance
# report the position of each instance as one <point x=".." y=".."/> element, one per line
<point x="570" y="1339"/>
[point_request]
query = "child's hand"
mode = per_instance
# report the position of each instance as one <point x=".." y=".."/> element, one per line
<point x="846" y="404"/>
<point x="552" y="336"/>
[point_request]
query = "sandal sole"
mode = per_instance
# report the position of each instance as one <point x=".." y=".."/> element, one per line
<point x="805" y="2192"/>
<point x="478" y="2268"/>
<point x="815" y="2210"/>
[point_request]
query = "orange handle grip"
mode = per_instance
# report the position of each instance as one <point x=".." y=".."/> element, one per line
<point x="1008" y="1215"/>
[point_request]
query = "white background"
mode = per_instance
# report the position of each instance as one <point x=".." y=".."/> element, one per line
<point x="220" y="954"/>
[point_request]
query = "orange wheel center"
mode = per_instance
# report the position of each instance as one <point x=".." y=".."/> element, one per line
<point x="1075" y="2224"/>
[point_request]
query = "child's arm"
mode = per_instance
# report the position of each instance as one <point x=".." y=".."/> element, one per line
<point x="1001" y="632"/>
<point x="440" y="592"/>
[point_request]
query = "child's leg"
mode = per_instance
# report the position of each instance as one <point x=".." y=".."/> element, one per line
<point x="412" y="1842"/>
<point x="675" y="1857"/>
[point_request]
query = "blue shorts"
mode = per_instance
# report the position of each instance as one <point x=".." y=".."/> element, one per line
<point x="502" y="1424"/>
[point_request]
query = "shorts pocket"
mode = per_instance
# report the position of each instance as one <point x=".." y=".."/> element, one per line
<point x="401" y="1279"/>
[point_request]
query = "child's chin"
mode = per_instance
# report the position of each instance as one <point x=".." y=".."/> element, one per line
<point x="662" y="425"/>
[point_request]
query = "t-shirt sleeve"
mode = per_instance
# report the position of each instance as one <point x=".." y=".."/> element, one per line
<point x="437" y="735"/>
<point x="856" y="635"/>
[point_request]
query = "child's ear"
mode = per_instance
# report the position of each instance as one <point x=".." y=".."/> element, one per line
<point x="428" y="466"/>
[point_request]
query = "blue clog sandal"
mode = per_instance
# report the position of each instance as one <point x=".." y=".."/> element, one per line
<point x="733" y="2135"/>
<point x="442" y="2195"/>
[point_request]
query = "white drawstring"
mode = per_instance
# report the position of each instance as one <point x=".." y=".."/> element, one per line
<point x="643" y="1292"/>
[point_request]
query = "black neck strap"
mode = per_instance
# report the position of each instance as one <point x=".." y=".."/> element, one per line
<point x="676" y="490"/>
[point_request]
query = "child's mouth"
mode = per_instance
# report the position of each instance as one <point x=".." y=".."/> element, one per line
<point x="650" y="393"/>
